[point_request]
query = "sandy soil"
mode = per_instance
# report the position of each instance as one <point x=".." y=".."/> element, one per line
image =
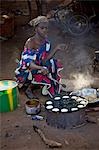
<point x="16" y="131"/>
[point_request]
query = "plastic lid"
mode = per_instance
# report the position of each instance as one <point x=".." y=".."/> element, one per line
<point x="7" y="84"/>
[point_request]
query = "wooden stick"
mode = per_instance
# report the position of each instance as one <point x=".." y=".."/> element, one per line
<point x="91" y="119"/>
<point x="95" y="109"/>
<point x="50" y="143"/>
<point x="78" y="126"/>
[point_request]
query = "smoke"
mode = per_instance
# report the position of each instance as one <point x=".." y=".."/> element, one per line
<point x="82" y="80"/>
<point x="78" y="81"/>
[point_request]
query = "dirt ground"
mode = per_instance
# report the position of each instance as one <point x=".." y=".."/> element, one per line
<point x="16" y="131"/>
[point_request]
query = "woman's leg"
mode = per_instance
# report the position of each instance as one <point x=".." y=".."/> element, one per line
<point x="22" y="79"/>
<point x="28" y="92"/>
<point x="45" y="79"/>
<point x="53" y="66"/>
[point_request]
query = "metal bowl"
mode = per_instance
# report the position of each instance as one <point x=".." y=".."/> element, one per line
<point x="33" y="107"/>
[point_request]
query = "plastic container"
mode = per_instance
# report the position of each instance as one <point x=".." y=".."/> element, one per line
<point x="9" y="96"/>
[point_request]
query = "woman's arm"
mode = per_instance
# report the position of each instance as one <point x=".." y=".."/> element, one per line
<point x="30" y="45"/>
<point x="41" y="69"/>
<point x="57" y="48"/>
<point x="34" y="66"/>
<point x="51" y="54"/>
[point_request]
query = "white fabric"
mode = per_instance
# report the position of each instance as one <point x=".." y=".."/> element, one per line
<point x="48" y="46"/>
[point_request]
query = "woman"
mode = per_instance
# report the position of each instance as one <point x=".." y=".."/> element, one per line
<point x="36" y="59"/>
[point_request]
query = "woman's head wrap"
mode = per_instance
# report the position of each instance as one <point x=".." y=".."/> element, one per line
<point x="34" y="22"/>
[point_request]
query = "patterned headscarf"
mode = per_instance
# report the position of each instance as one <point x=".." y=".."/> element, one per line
<point x="34" y="22"/>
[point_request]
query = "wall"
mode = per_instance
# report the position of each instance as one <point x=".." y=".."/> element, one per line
<point x="20" y="9"/>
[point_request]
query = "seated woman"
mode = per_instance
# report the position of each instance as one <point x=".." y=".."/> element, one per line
<point x="36" y="59"/>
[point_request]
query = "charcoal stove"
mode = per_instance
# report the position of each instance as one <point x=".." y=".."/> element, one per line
<point x="65" y="111"/>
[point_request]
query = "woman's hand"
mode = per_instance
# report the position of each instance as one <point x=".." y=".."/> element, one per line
<point x="58" y="47"/>
<point x="61" y="47"/>
<point x="41" y="69"/>
<point x="44" y="70"/>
